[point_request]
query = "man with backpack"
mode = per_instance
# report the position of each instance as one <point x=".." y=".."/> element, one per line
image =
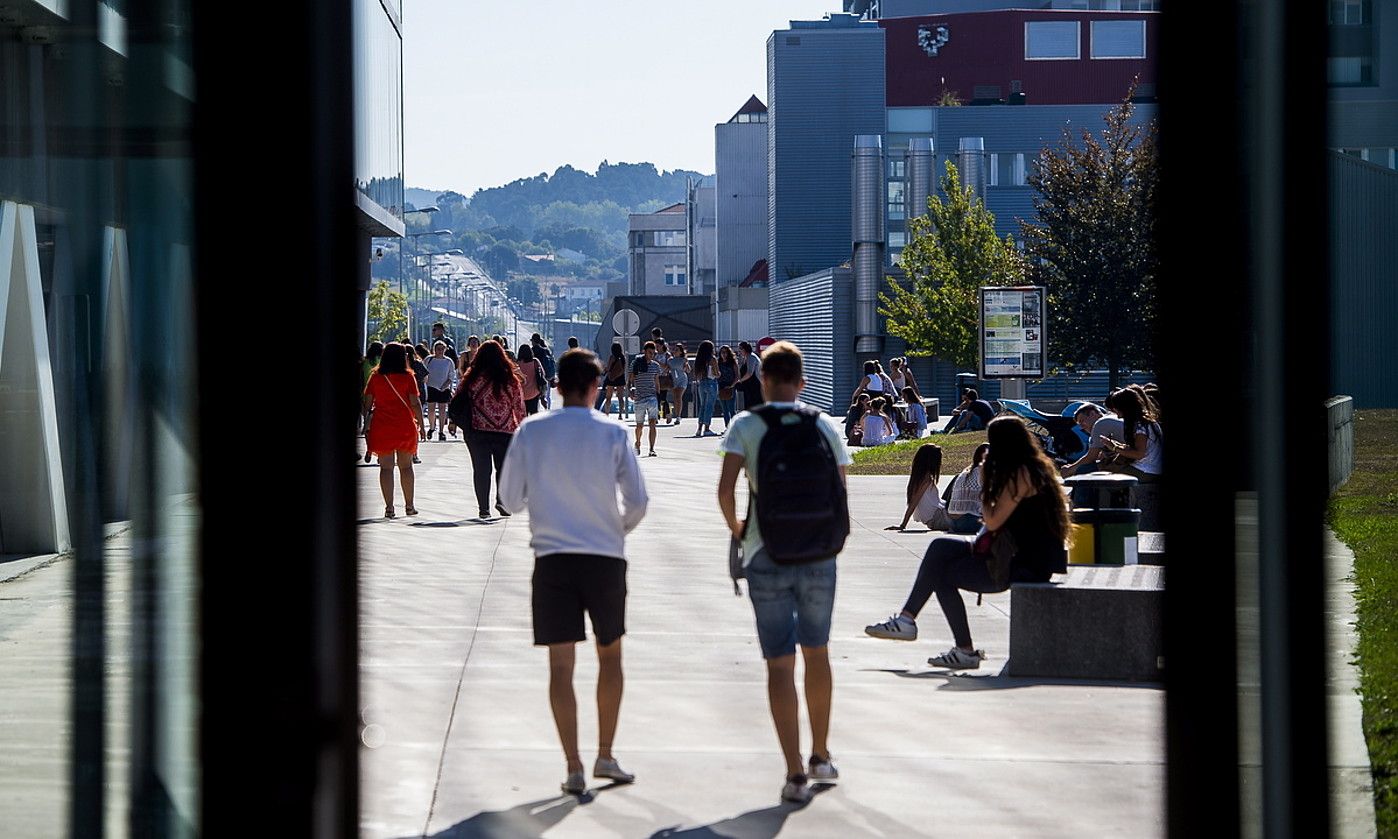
<point x="544" y="356"/>
<point x="797" y="521"/>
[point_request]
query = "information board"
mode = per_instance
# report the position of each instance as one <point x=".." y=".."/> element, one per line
<point x="1013" y="343"/>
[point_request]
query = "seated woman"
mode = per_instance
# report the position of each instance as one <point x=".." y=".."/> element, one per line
<point x="1141" y="456"/>
<point x="916" y="423"/>
<point x="1022" y="495"/>
<point x="923" y="499"/>
<point x="854" y="427"/>
<point x="878" y="428"/>
<point x="963" y="495"/>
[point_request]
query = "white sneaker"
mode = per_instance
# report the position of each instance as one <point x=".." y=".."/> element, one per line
<point x="823" y="770"/>
<point x="896" y="628"/>
<point x="958" y="659"/>
<point x="610" y="769"/>
<point x="796" y="790"/>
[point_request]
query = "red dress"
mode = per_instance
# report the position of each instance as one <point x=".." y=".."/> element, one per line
<point x="393" y="427"/>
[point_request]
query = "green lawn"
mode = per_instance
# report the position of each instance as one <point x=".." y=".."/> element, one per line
<point x="1364" y="513"/>
<point x="897" y="459"/>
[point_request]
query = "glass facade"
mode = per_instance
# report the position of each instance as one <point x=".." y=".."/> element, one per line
<point x="378" y="92"/>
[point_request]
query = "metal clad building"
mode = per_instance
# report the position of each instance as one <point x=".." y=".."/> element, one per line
<point x="1363" y="256"/>
<point x="740" y="166"/>
<point x="825" y="84"/>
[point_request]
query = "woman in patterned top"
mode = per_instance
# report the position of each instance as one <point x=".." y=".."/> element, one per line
<point x="496" y="393"/>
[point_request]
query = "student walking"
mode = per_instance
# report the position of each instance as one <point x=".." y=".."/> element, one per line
<point x="393" y="433"/>
<point x="644" y="376"/>
<point x="749" y="376"/>
<point x="531" y="373"/>
<point x="614" y="382"/>
<point x="578" y="536"/>
<point x="440" y="376"/>
<point x="497" y="408"/>
<point x="727" y="384"/>
<point x="705" y="370"/>
<point x="679" y="371"/>
<point x="798" y="519"/>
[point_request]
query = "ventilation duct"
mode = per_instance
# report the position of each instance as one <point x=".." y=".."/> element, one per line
<point x="868" y="182"/>
<point x="973" y="165"/>
<point x="919" y="171"/>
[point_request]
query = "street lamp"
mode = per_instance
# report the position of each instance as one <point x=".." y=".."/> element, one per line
<point x="402" y="285"/>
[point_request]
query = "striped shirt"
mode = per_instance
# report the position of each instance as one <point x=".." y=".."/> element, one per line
<point x="645" y="375"/>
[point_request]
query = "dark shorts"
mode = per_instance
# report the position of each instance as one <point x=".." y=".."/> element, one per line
<point x="434" y="395"/>
<point x="566" y="585"/>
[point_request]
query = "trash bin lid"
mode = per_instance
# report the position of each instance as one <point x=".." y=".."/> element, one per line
<point x="1110" y="480"/>
<point x="1105" y="515"/>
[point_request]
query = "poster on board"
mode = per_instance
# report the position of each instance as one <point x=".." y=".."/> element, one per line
<point x="1012" y="338"/>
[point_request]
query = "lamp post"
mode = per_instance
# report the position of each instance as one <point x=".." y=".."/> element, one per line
<point x="414" y="294"/>
<point x="431" y="267"/>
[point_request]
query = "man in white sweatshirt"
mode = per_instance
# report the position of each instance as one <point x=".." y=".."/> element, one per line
<point x="566" y="467"/>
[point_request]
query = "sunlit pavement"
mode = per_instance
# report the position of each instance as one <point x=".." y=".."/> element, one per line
<point x="464" y="744"/>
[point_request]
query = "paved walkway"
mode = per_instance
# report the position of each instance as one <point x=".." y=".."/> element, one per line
<point x="466" y="744"/>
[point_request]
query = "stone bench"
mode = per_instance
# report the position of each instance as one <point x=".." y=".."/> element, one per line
<point x="1150" y="548"/>
<point x="1095" y="622"/>
<point x="1146" y="498"/>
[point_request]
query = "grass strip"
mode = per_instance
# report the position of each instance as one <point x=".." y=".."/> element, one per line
<point x="1364" y="514"/>
<point x="897" y="458"/>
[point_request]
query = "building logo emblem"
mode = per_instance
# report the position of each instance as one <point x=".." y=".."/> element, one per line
<point x="932" y="38"/>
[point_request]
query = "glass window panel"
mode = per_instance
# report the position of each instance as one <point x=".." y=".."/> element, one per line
<point x="1049" y="40"/>
<point x="910" y="120"/>
<point x="1118" y="39"/>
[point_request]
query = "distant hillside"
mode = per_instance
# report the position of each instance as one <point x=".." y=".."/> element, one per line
<point x="570" y="209"/>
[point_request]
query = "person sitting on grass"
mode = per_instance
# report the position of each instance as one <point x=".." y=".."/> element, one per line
<point x="878" y="428"/>
<point x="973" y="414"/>
<point x="916" y="423"/>
<point x="924" y="500"/>
<point x="854" y="420"/>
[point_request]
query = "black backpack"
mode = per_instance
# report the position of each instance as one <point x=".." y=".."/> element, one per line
<point x="801" y="501"/>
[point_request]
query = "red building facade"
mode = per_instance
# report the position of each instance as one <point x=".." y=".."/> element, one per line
<point x="989" y="56"/>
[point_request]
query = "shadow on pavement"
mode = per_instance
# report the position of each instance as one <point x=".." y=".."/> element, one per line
<point x="525" y="820"/>
<point x="754" y="824"/>
<point x="999" y="681"/>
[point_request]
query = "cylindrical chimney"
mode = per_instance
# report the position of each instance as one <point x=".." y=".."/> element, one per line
<point x="868" y="184"/>
<point x="919" y="169"/>
<point x="974" y="166"/>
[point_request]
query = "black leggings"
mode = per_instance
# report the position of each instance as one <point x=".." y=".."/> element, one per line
<point x="947" y="569"/>
<point x="486" y="446"/>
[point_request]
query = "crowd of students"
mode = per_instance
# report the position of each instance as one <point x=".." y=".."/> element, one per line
<point x="1010" y="496"/>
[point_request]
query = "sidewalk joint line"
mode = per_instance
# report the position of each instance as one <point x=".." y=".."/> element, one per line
<point x="460" y="680"/>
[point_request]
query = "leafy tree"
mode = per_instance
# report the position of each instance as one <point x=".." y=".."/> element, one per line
<point x="1093" y="246"/>
<point x="524" y="289"/>
<point x="388" y="313"/>
<point x="952" y="251"/>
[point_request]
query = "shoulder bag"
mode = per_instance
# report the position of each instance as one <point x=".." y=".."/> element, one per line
<point x="997" y="548"/>
<point x="459" y="408"/>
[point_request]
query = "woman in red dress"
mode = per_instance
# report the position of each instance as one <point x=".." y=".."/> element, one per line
<point x="496" y="394"/>
<point x="397" y="423"/>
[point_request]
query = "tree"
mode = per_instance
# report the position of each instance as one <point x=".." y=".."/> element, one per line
<point x="524" y="289"/>
<point x="1093" y="246"/>
<point x="952" y="251"/>
<point x="388" y="313"/>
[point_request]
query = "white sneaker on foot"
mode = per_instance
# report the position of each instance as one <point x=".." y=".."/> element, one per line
<point x="796" y="790"/>
<point x="958" y="659"/>
<point x="896" y="628"/>
<point x="823" y="769"/>
<point x="610" y="769"/>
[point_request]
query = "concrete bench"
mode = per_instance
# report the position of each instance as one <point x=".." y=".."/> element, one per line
<point x="1095" y="622"/>
<point x="1146" y="498"/>
<point x="1150" y="548"/>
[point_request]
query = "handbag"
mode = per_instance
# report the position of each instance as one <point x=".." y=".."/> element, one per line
<point x="459" y="408"/>
<point x="725" y="393"/>
<point x="666" y="379"/>
<point x="539" y="379"/>
<point x="998" y="547"/>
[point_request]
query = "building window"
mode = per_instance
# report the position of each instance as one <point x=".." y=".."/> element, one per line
<point x="1019" y="174"/>
<point x="897" y="168"/>
<point x="669" y="238"/>
<point x="994" y="170"/>
<point x="1350" y="70"/>
<point x="1052" y="40"/>
<point x="674" y="275"/>
<point x="1349" y="12"/>
<point x="910" y="120"/>
<point x="1118" y="39"/>
<point x="757" y="117"/>
<point x="897" y="239"/>
<point x="896" y="203"/>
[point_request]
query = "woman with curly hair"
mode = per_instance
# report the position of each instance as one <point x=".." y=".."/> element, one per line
<point x="496" y="394"/>
<point x="1021" y="496"/>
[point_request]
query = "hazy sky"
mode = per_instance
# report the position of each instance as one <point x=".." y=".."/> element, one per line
<point x="495" y="91"/>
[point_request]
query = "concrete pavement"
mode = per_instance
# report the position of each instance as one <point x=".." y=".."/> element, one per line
<point x="465" y="744"/>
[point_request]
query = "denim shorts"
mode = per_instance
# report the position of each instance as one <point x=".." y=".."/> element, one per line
<point x="792" y="603"/>
<point x="647" y="409"/>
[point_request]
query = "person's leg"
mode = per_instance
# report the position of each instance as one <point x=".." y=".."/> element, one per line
<point x="604" y="400"/>
<point x="499" y="447"/>
<point x="931" y="574"/>
<point x="406" y="478"/>
<point x="609" y="687"/>
<point x="781" y="698"/>
<point x="677" y="399"/>
<point x="961" y="570"/>
<point x="386" y="478"/>
<point x="652" y="433"/>
<point x="480" y="470"/>
<point x="564" y="703"/>
<point x="640" y="424"/>
<point x="819" y="689"/>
